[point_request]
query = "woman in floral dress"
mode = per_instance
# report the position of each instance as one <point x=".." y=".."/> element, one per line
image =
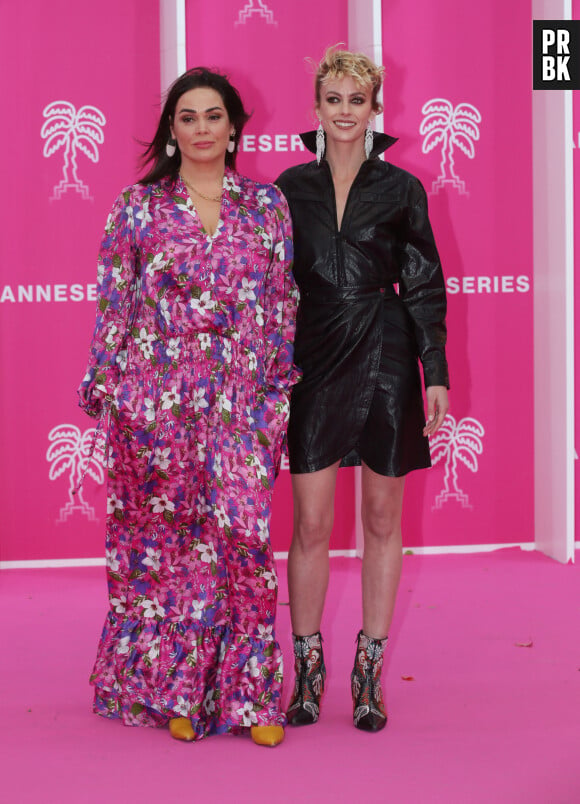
<point x="190" y="369"/>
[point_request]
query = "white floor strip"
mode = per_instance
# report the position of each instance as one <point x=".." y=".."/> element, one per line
<point x="465" y="548"/>
<point x="52" y="563"/>
<point x="49" y="563"/>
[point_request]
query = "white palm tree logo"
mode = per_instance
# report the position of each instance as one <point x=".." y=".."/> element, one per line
<point x="454" y="442"/>
<point x="449" y="126"/>
<point x="74" y="131"/>
<point x="255" y="7"/>
<point x="72" y="451"/>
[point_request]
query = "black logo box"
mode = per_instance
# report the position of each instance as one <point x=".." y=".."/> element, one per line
<point x="556" y="49"/>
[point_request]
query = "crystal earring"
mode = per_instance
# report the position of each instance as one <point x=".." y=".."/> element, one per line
<point x="232" y="142"/>
<point x="170" y="147"/>
<point x="369" y="141"/>
<point x="320" y="143"/>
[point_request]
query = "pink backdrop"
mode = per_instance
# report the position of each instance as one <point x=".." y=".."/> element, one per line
<point x="481" y="489"/>
<point x="104" y="56"/>
<point x="457" y="55"/>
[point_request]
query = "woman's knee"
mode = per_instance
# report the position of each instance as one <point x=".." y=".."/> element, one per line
<point x="382" y="503"/>
<point x="312" y="528"/>
<point x="381" y="520"/>
<point x="314" y="506"/>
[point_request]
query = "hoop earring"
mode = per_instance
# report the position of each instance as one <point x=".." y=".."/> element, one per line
<point x="369" y="141"/>
<point x="171" y="147"/>
<point x="232" y="143"/>
<point x="320" y="143"/>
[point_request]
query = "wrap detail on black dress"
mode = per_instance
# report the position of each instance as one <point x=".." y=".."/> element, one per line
<point x="372" y="303"/>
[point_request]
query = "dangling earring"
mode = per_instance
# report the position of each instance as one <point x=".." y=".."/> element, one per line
<point x="320" y="143"/>
<point x="369" y="141"/>
<point x="232" y="142"/>
<point x="170" y="147"/>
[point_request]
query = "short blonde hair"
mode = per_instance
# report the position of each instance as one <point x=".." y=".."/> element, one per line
<point x="340" y="63"/>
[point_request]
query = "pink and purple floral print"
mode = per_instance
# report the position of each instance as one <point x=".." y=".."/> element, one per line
<point x="191" y="369"/>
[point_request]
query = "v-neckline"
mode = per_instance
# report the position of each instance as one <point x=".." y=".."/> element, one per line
<point x="339" y="226"/>
<point x="192" y="209"/>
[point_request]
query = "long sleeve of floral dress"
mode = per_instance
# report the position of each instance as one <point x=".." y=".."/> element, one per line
<point x="281" y="298"/>
<point x="117" y="286"/>
<point x="281" y="304"/>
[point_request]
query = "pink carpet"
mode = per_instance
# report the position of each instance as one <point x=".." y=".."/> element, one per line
<point x="484" y="719"/>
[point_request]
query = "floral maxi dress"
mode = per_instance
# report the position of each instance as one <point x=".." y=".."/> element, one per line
<point x="190" y="368"/>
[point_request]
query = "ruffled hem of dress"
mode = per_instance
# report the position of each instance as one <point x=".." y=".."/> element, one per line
<point x="147" y="672"/>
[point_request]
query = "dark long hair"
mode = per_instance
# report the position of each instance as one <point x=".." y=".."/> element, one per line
<point x="162" y="165"/>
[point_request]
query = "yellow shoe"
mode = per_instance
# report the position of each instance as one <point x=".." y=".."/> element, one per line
<point x="180" y="728"/>
<point x="267" y="735"/>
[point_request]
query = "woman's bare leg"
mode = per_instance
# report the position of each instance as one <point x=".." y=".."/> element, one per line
<point x="382" y="502"/>
<point x="308" y="558"/>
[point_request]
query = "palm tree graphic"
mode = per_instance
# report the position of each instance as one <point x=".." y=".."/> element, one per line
<point x="71" y="450"/>
<point x="454" y="442"/>
<point x="74" y="131"/>
<point x="252" y="8"/>
<point x="449" y="126"/>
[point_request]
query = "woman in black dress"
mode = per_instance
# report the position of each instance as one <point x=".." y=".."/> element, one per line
<point x="372" y="304"/>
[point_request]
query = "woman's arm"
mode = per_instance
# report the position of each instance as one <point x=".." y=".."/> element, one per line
<point x="280" y="306"/>
<point x="117" y="283"/>
<point x="422" y="288"/>
<point x="281" y="302"/>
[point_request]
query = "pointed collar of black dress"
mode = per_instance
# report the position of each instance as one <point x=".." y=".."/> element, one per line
<point x="380" y="142"/>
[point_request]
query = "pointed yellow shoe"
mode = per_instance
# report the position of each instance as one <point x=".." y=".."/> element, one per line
<point x="267" y="735"/>
<point x="180" y="728"/>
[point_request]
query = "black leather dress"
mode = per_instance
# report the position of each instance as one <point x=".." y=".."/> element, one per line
<point x="358" y="338"/>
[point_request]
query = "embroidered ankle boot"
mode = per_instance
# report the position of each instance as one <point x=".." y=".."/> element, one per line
<point x="310" y="673"/>
<point x="369" y="713"/>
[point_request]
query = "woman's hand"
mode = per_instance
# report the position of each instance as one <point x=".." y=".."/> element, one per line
<point x="437" y="407"/>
